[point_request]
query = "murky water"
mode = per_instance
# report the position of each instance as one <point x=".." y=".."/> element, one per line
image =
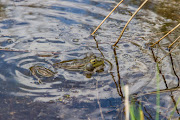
<point x="45" y="32"/>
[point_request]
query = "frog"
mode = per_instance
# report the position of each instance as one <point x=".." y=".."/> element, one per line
<point x="39" y="71"/>
<point x="88" y="64"/>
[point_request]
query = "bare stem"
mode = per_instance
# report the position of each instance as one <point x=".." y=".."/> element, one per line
<point x="168" y="52"/>
<point x="129" y="21"/>
<point x="174" y="41"/>
<point x="107" y="17"/>
<point x="166" y="34"/>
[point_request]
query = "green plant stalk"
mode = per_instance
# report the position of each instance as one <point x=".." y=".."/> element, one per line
<point x="132" y="114"/>
<point x="141" y="114"/>
<point x="158" y="93"/>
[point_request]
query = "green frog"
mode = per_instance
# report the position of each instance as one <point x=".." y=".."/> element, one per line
<point x="39" y="71"/>
<point x="89" y="64"/>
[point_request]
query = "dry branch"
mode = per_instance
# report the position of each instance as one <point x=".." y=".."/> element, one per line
<point x="107" y="17"/>
<point x="129" y="21"/>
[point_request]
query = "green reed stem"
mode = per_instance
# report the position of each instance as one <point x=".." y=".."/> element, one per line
<point x="132" y="112"/>
<point x="158" y="93"/>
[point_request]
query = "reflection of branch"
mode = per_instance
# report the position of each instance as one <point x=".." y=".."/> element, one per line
<point x="172" y="97"/>
<point x="161" y="91"/>
<point x="120" y="94"/>
<point x="107" y="17"/>
<point x="119" y="91"/>
<point x="13" y="50"/>
<point x="155" y="59"/>
<point x="26" y="51"/>
<point x="97" y="46"/>
<point x="169" y="52"/>
<point x="130" y="21"/>
<point x="175" y="104"/>
<point x="118" y="74"/>
<point x="172" y="63"/>
<point x="148" y="113"/>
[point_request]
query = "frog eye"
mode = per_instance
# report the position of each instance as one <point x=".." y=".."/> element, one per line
<point x="93" y="61"/>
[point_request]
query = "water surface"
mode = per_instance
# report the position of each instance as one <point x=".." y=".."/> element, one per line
<point x="45" y="32"/>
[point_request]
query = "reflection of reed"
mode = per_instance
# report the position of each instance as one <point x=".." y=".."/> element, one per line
<point x="172" y="63"/>
<point x="31" y="51"/>
<point x="120" y="94"/>
<point x="97" y="46"/>
<point x="155" y="59"/>
<point x="161" y="91"/>
<point x="118" y="74"/>
<point x="118" y="86"/>
<point x="167" y="89"/>
<point x="170" y="44"/>
<point x="169" y="52"/>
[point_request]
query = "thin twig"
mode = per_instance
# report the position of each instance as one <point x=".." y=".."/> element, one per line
<point x="107" y="17"/>
<point x="166" y="34"/>
<point x="129" y="22"/>
<point x="174" y="42"/>
<point x="169" y="52"/>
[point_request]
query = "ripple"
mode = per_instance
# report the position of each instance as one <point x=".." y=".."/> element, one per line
<point x="45" y="32"/>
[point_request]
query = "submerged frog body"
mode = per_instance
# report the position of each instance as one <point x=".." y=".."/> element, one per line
<point x="39" y="71"/>
<point x="89" y="63"/>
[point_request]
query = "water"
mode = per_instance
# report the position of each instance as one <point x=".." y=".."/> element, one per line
<point x="45" y="32"/>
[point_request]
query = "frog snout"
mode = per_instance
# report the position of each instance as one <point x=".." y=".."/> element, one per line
<point x="89" y="67"/>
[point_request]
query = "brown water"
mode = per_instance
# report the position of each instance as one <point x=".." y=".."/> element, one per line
<point x="44" y="32"/>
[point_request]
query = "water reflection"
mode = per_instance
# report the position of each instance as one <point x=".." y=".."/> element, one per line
<point x="47" y="32"/>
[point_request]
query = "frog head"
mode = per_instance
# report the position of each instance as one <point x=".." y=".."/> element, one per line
<point x="94" y="63"/>
<point x="97" y="62"/>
